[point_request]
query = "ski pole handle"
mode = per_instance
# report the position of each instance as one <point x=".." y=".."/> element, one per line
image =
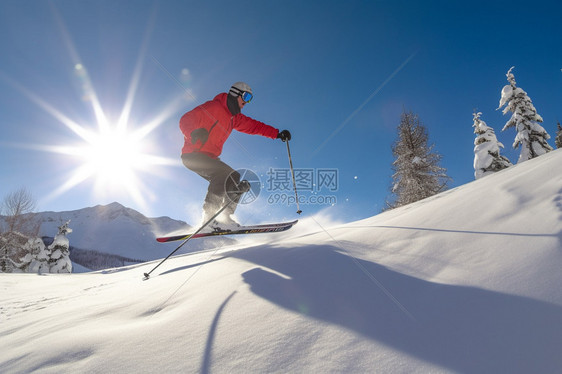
<point x="299" y="211"/>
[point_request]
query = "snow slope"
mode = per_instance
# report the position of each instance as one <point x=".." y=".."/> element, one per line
<point x="466" y="281"/>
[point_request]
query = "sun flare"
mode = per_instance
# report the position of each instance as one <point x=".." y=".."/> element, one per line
<point x="112" y="158"/>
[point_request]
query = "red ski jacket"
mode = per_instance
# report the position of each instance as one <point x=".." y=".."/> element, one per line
<point x="217" y="121"/>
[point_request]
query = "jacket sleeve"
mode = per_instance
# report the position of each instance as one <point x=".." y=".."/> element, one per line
<point x="248" y="125"/>
<point x="189" y="122"/>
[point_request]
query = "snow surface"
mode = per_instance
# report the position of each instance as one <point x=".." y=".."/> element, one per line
<point x="465" y="281"/>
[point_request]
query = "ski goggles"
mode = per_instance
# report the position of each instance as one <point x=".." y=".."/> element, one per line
<point x="246" y="97"/>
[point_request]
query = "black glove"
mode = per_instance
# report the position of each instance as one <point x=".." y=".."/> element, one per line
<point x="199" y="134"/>
<point x="284" y="135"/>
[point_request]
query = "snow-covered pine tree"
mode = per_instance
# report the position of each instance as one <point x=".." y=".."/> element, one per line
<point x="531" y="136"/>
<point x="36" y="259"/>
<point x="60" y="253"/>
<point x="558" y="139"/>
<point x="487" y="158"/>
<point x="417" y="173"/>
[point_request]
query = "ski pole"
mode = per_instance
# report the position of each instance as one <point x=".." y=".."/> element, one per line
<point x="293" y="175"/>
<point x="147" y="275"/>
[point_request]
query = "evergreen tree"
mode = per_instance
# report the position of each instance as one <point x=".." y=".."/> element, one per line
<point x="36" y="259"/>
<point x="558" y="139"/>
<point x="417" y="173"/>
<point x="487" y="158"/>
<point x="531" y="136"/>
<point x="60" y="253"/>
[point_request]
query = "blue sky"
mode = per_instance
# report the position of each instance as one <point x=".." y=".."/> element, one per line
<point x="336" y="74"/>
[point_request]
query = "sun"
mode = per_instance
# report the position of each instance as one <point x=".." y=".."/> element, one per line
<point x="113" y="160"/>
<point x="112" y="157"/>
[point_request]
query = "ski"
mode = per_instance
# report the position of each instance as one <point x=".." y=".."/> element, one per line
<point x="242" y="230"/>
<point x="189" y="237"/>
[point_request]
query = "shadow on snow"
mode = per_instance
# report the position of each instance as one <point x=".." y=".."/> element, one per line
<point x="462" y="328"/>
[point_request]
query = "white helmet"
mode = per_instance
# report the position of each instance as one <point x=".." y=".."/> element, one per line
<point x="239" y="87"/>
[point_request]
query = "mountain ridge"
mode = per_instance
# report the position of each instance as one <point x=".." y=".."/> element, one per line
<point x="119" y="230"/>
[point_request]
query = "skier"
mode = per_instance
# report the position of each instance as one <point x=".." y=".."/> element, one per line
<point x="205" y="129"/>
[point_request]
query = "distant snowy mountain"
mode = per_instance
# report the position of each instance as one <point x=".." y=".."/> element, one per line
<point x="118" y="230"/>
<point x="467" y="281"/>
